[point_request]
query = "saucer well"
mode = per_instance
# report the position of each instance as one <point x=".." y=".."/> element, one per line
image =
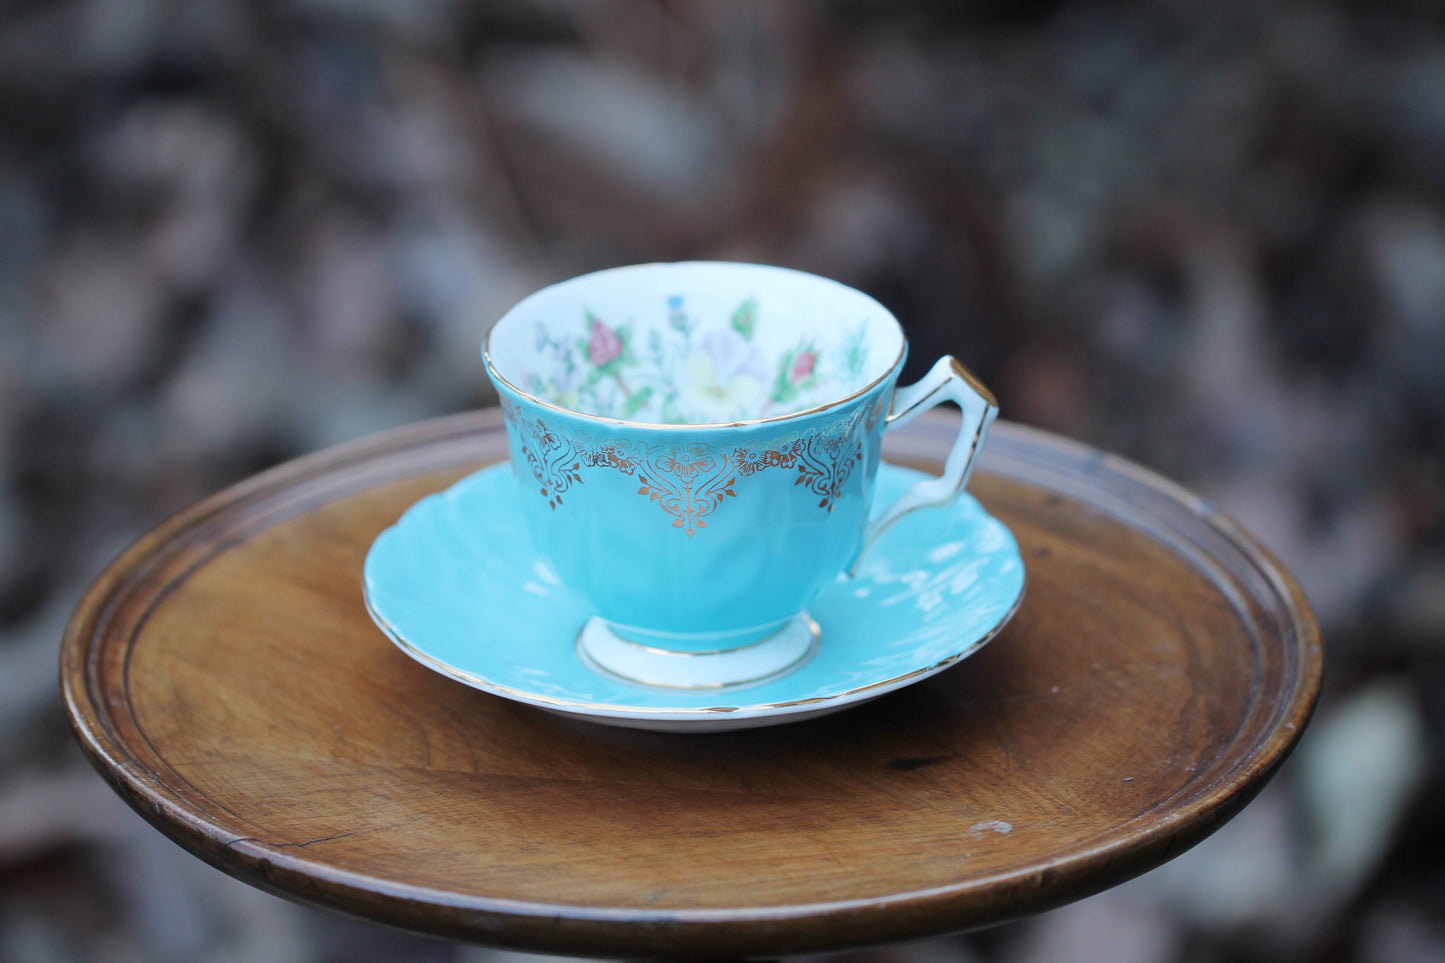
<point x="457" y="585"/>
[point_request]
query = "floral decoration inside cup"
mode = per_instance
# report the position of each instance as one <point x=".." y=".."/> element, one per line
<point x="696" y="359"/>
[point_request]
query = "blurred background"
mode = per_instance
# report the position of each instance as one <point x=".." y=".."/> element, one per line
<point x="1210" y="237"/>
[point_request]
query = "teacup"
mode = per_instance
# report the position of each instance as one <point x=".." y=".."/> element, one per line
<point x="696" y="446"/>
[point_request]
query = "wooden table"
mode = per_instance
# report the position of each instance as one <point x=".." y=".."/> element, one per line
<point x="224" y="677"/>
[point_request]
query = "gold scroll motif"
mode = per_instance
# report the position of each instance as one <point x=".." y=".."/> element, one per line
<point x="690" y="481"/>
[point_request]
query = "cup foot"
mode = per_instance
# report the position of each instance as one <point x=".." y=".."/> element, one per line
<point x="786" y="649"/>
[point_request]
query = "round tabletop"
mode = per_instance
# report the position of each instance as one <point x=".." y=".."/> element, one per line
<point x="224" y="677"/>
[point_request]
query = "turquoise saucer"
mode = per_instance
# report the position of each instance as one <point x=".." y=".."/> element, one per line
<point x="457" y="585"/>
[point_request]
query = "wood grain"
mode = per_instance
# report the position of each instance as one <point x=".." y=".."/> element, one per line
<point x="224" y="677"/>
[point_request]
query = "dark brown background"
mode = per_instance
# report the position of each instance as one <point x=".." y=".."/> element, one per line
<point x="1208" y="236"/>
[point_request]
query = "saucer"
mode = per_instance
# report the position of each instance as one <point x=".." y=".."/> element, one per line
<point x="457" y="585"/>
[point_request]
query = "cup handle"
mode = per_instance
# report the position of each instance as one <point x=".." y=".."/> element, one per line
<point x="948" y="380"/>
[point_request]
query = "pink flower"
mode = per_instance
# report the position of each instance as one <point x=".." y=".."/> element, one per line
<point x="604" y="345"/>
<point x="803" y="365"/>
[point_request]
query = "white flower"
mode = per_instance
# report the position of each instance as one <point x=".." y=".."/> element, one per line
<point x="725" y="378"/>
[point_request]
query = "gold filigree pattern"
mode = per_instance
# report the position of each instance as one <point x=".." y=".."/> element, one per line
<point x="822" y="462"/>
<point x="554" y="462"/>
<point x="690" y="482"/>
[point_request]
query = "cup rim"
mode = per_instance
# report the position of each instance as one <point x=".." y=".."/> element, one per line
<point x="602" y="419"/>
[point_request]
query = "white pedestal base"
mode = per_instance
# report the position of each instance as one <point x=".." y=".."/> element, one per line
<point x="784" y="650"/>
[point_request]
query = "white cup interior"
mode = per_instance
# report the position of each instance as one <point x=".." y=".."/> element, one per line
<point x="694" y="343"/>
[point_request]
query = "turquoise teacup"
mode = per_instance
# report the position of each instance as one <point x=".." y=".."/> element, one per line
<point x="696" y="445"/>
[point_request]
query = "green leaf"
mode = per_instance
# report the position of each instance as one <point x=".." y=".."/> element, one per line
<point x="783" y="390"/>
<point x="637" y="402"/>
<point x="745" y="318"/>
